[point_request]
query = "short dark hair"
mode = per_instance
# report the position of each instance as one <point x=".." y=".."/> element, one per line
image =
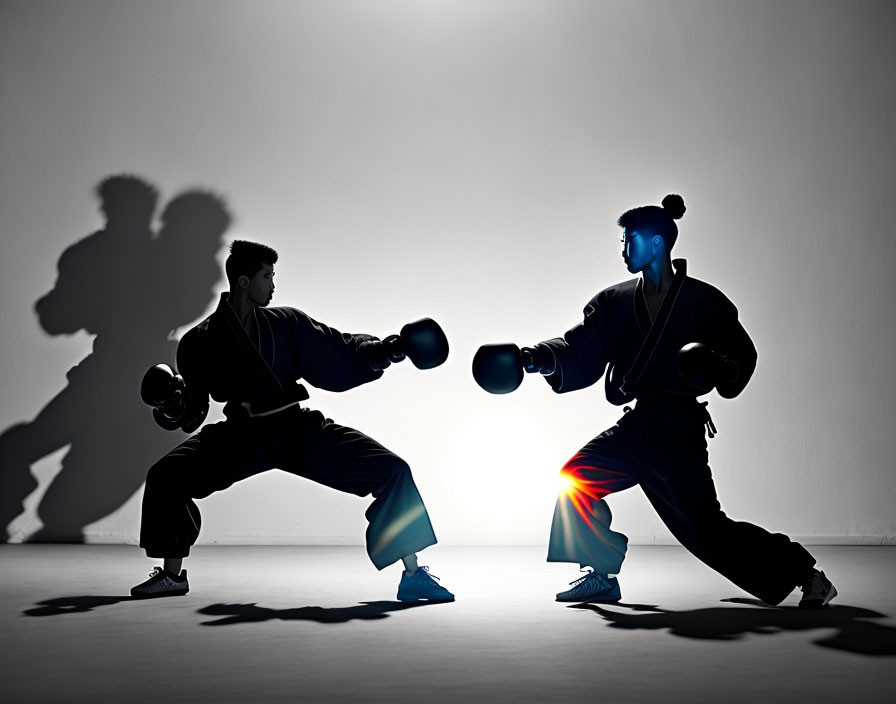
<point x="655" y="220"/>
<point x="246" y="259"/>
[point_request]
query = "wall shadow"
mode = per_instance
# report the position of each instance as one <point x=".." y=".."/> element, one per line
<point x="131" y="287"/>
<point x="853" y="633"/>
<point x="252" y="613"/>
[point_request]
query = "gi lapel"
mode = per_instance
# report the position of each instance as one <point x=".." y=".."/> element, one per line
<point x="267" y="345"/>
<point x="655" y="332"/>
<point x="257" y="371"/>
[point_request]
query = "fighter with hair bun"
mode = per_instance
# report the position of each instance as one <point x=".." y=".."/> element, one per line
<point x="663" y="339"/>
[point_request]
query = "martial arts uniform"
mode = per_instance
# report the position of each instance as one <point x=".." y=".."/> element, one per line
<point x="266" y="428"/>
<point x="661" y="442"/>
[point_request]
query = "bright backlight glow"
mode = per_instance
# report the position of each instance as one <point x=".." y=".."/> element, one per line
<point x="565" y="483"/>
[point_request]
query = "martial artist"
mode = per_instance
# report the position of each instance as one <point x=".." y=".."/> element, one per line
<point x="250" y="357"/>
<point x="663" y="339"/>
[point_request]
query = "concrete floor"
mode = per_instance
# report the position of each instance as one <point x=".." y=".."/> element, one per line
<point x="320" y="624"/>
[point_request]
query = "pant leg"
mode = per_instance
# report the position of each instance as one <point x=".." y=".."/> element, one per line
<point x="350" y="461"/>
<point x="580" y="530"/>
<point x="681" y="489"/>
<point x="210" y="461"/>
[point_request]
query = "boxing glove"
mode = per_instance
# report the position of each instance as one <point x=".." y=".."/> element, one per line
<point x="498" y="368"/>
<point x="163" y="388"/>
<point x="422" y="341"/>
<point x="704" y="367"/>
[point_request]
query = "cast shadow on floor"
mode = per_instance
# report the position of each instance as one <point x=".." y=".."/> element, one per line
<point x="852" y="633"/>
<point x="237" y="613"/>
<point x="72" y="605"/>
<point x="252" y="613"/>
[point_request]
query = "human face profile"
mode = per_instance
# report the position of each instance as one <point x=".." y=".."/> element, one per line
<point x="637" y="250"/>
<point x="261" y="285"/>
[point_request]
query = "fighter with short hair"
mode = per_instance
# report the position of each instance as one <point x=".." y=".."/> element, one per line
<point x="664" y="339"/>
<point x="250" y="357"/>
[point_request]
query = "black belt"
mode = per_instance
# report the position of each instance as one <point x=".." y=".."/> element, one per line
<point x="707" y="419"/>
<point x="672" y="398"/>
<point x="270" y="405"/>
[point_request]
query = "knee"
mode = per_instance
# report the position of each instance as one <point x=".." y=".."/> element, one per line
<point x="711" y="521"/>
<point x="570" y="467"/>
<point x="400" y="470"/>
<point x="395" y="473"/>
<point x="162" y="475"/>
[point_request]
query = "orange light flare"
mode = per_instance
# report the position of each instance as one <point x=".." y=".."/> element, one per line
<point x="581" y="492"/>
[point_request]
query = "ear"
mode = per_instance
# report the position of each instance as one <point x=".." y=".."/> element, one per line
<point x="243" y="281"/>
<point x="657" y="242"/>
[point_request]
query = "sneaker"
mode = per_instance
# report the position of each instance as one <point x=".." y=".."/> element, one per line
<point x="422" y="586"/>
<point x="592" y="587"/>
<point x="161" y="583"/>
<point x="817" y="591"/>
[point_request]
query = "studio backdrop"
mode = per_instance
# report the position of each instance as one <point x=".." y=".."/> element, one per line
<point x="465" y="161"/>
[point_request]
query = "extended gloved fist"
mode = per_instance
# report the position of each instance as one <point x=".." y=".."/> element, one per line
<point x="498" y="368"/>
<point x="422" y="341"/>
<point x="704" y="367"/>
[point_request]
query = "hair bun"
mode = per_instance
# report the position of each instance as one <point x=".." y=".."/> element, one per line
<point x="674" y="205"/>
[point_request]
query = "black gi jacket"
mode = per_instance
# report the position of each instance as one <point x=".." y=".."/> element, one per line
<point x="617" y="326"/>
<point x="217" y="358"/>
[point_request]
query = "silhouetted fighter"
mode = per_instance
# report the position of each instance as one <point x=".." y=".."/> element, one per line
<point x="250" y="357"/>
<point x="663" y="339"/>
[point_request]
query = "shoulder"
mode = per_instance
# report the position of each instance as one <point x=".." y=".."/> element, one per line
<point x="204" y="327"/>
<point x="708" y="295"/>
<point x="623" y="289"/>
<point x="611" y="295"/>
<point x="194" y="344"/>
<point x="204" y="330"/>
<point x="195" y="337"/>
<point x="704" y="289"/>
<point x="284" y="314"/>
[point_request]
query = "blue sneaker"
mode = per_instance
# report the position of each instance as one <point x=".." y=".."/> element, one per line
<point x="591" y="588"/>
<point x="161" y="583"/>
<point x="817" y="591"/>
<point x="422" y="586"/>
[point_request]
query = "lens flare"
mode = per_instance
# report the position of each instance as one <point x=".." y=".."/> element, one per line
<point x="583" y="493"/>
<point x="565" y="484"/>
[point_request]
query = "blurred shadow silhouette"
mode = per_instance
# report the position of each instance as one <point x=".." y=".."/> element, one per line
<point x="252" y="613"/>
<point x="132" y="289"/>
<point x="853" y="634"/>
<point x="73" y="605"/>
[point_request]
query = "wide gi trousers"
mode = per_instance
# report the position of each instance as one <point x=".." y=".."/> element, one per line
<point x="661" y="445"/>
<point x="299" y="441"/>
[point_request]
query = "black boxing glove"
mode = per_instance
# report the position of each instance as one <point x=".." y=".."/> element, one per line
<point x="422" y="341"/>
<point x="498" y="368"/>
<point x="704" y="367"/>
<point x="163" y="388"/>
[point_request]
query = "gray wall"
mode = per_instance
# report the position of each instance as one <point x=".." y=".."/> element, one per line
<point x="467" y="160"/>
